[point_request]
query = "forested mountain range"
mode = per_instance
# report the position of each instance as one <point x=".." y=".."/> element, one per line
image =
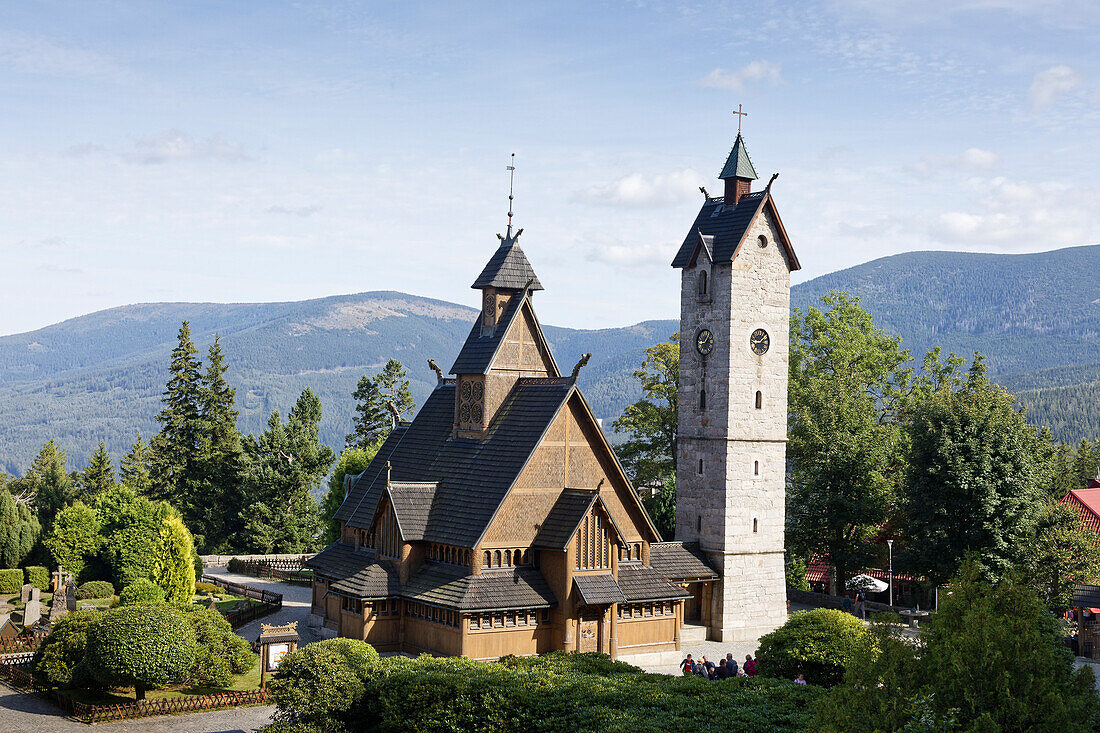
<point x="1036" y="317"/>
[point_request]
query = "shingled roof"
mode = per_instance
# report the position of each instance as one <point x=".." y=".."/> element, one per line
<point x="738" y="164"/>
<point x="481" y="346"/>
<point x="473" y="476"/>
<point x="373" y="470"/>
<point x="598" y="590"/>
<point x="453" y="586"/>
<point x="339" y="560"/>
<point x="641" y="583"/>
<point x="720" y="228"/>
<point x="412" y="502"/>
<point x="562" y="521"/>
<point x="508" y="268"/>
<point x="679" y="561"/>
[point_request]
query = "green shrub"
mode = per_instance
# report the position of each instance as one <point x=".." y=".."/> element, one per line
<point x="95" y="589"/>
<point x="323" y="681"/>
<point x="209" y="588"/>
<point x="38" y="576"/>
<point x="567" y="692"/>
<point x="235" y="565"/>
<point x="819" y="644"/>
<point x="221" y="652"/>
<point x="11" y="581"/>
<point x="59" y="661"/>
<point x="141" y="591"/>
<point x="142" y="646"/>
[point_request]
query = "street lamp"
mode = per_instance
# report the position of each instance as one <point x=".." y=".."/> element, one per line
<point x="890" y="548"/>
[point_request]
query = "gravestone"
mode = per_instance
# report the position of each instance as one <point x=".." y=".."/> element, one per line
<point x="36" y="594"/>
<point x="32" y="612"/>
<point x="60" y="605"/>
<point x="25" y="593"/>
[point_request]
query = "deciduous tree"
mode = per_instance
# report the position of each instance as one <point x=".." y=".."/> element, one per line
<point x="74" y="537"/>
<point x="353" y="461"/>
<point x="649" y="452"/>
<point x="143" y="646"/>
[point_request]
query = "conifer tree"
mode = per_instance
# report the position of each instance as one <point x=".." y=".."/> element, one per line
<point x="175" y="446"/>
<point x="373" y="419"/>
<point x="219" y="452"/>
<point x="282" y="468"/>
<point x="134" y="468"/>
<point x="50" y="484"/>
<point x="19" y="529"/>
<point x="99" y="474"/>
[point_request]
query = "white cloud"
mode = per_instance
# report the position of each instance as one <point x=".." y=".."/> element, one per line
<point x="1049" y="85"/>
<point x="1010" y="214"/>
<point x="738" y="81"/>
<point x="978" y="158"/>
<point x="640" y="190"/>
<point x="971" y="159"/>
<point x="302" y="211"/>
<point x="618" y="254"/>
<point x="173" y="145"/>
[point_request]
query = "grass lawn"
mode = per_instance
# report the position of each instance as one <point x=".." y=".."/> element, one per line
<point x="238" y="683"/>
<point x="227" y="603"/>
<point x="100" y="603"/>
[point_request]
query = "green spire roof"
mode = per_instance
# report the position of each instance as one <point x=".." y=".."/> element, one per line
<point x="738" y="164"/>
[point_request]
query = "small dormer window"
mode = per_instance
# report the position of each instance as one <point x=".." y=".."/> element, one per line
<point x="762" y="240"/>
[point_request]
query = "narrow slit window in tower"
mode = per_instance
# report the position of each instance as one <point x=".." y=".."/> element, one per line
<point x="754" y="525"/>
<point x="759" y="399"/>
<point x="702" y="399"/>
<point x="700" y="466"/>
<point x="756" y="468"/>
<point x="703" y="284"/>
<point x="699" y="523"/>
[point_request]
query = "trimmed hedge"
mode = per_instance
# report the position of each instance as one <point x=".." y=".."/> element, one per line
<point x="555" y="692"/>
<point x="141" y="591"/>
<point x="209" y="588"/>
<point x="11" y="580"/>
<point x="819" y="644"/>
<point x="60" y="659"/>
<point x="38" y="576"/>
<point x="141" y="646"/>
<point x="221" y="653"/>
<point x="95" y="589"/>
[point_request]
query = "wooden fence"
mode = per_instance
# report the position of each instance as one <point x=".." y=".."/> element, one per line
<point x="270" y="601"/>
<point x="286" y="570"/>
<point x="16" y="644"/>
<point x="16" y="671"/>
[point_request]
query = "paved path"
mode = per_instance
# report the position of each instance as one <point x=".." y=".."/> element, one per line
<point x="296" y="604"/>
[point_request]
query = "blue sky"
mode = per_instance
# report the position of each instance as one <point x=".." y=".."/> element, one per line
<point x="280" y="151"/>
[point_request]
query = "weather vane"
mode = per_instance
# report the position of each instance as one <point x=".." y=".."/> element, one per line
<point x="511" y="181"/>
<point x="740" y="114"/>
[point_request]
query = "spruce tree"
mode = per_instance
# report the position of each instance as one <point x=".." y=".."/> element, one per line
<point x="373" y="419"/>
<point x="176" y="445"/>
<point x="219" y="456"/>
<point x="134" y="468"/>
<point x="50" y="483"/>
<point x="282" y="468"/>
<point x="99" y="474"/>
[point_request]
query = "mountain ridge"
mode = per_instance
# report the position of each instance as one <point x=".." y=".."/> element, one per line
<point x="1036" y="317"/>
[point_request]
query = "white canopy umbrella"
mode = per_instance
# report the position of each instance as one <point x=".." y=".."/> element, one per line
<point x="867" y="583"/>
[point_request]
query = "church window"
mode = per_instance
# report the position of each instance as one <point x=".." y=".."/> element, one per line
<point x="762" y="240"/>
<point x="488" y="559"/>
<point x="756" y="468"/>
<point x="507" y="558"/>
<point x="471" y="404"/>
<point x="703" y="284"/>
<point x="702" y="399"/>
<point x="526" y="557"/>
<point x="593" y="543"/>
<point x="754" y="525"/>
<point x="700" y="466"/>
<point x="699" y="523"/>
<point x="637" y="550"/>
<point x="496" y="559"/>
<point x="759" y="399"/>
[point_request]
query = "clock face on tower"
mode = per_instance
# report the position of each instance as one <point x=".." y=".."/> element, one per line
<point x="704" y="342"/>
<point x="759" y="342"/>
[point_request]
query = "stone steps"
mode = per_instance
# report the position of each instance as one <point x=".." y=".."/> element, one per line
<point x="692" y="634"/>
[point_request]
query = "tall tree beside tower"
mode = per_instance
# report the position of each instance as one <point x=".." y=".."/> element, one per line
<point x="373" y="419"/>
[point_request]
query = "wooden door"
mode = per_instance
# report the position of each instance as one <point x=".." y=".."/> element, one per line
<point x="589" y="632"/>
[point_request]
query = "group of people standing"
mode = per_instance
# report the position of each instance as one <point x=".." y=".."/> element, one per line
<point x="721" y="670"/>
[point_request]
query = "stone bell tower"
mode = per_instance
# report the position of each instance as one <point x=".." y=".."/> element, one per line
<point x="734" y="320"/>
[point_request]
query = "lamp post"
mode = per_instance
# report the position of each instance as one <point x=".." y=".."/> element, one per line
<point x="890" y="549"/>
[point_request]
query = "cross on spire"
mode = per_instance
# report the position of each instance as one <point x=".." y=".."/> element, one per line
<point x="740" y="115"/>
<point x="511" y="181"/>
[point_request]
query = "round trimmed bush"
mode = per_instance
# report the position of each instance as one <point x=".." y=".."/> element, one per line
<point x="11" y="580"/>
<point x="95" y="589"/>
<point x="221" y="652"/>
<point x="141" y="591"/>
<point x="144" y="645"/>
<point x="323" y="680"/>
<point x="819" y="644"/>
<point x="59" y="661"/>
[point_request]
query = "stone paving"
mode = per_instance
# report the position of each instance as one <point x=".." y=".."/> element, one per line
<point x="296" y="603"/>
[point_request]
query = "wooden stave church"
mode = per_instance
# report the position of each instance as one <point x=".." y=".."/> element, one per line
<point x="499" y="521"/>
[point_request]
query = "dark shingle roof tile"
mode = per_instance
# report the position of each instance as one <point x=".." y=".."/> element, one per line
<point x="679" y="561"/>
<point x="598" y="590"/>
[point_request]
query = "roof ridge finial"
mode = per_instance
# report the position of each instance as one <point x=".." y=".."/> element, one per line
<point x="511" y="181"/>
<point x="740" y="116"/>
